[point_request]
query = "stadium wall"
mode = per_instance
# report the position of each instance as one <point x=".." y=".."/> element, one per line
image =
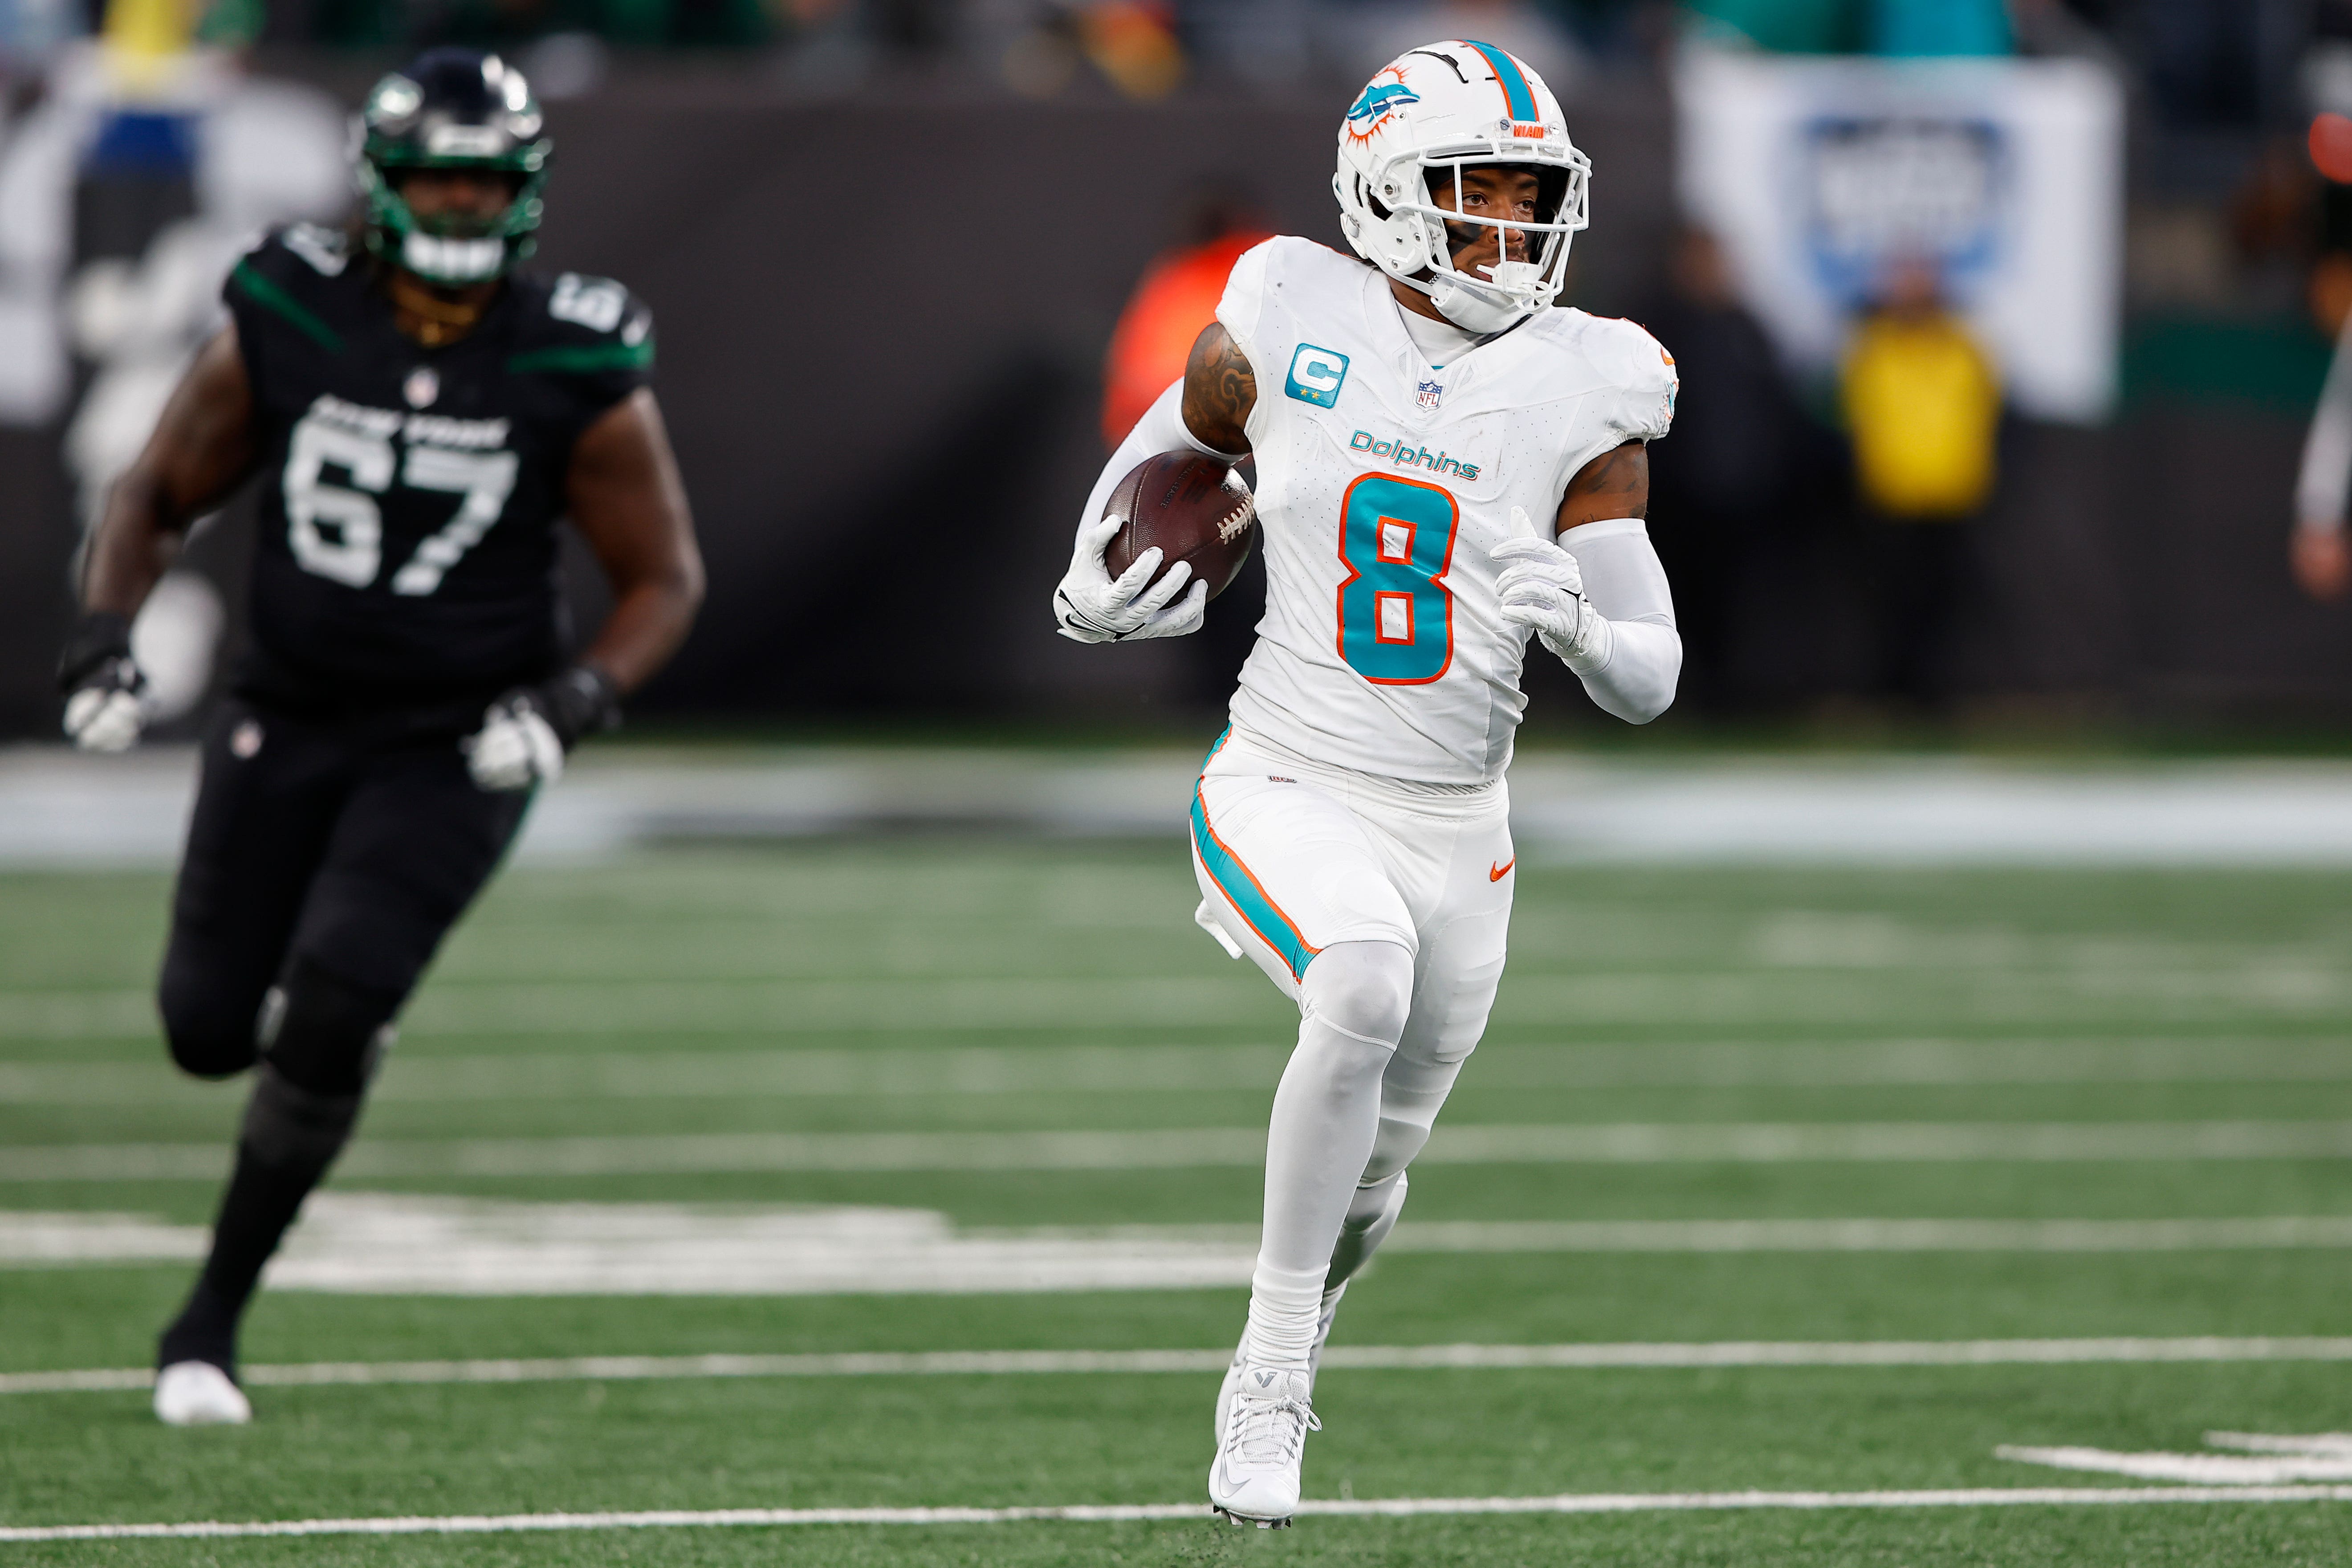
<point x="881" y="322"/>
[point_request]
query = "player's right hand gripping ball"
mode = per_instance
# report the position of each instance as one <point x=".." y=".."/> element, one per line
<point x="1091" y="605"/>
<point x="1177" y="509"/>
<point x="105" y="689"/>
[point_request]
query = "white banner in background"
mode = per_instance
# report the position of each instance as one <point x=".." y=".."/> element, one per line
<point x="1816" y="171"/>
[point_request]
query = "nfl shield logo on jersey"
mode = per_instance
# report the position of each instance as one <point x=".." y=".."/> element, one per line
<point x="1430" y="393"/>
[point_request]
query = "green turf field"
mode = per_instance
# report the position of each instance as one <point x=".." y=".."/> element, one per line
<point x="1032" y="1041"/>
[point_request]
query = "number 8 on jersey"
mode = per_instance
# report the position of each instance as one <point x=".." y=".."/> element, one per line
<point x="1396" y="615"/>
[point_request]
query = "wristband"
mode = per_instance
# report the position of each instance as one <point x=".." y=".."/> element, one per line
<point x="581" y="700"/>
<point x="99" y="638"/>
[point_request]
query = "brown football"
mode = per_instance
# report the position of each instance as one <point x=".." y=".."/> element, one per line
<point x="1193" y="508"/>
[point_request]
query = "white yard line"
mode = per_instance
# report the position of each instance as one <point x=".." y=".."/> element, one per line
<point x="1711" y="998"/>
<point x="2222" y="1235"/>
<point x="2339" y="1444"/>
<point x="1112" y="1513"/>
<point x="410" y="1244"/>
<point x="671" y="1006"/>
<point x="1153" y="1068"/>
<point x="2226" y="1470"/>
<point x="1355" y="1358"/>
<point x="1145" y="1149"/>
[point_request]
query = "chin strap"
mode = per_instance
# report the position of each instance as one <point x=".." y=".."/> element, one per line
<point x="1482" y="308"/>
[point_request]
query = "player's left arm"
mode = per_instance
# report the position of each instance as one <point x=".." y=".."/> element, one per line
<point x="1595" y="592"/>
<point x="626" y="500"/>
<point x="1614" y="484"/>
<point x="624" y="494"/>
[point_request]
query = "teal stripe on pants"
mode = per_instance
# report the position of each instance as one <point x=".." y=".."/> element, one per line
<point x="1232" y="878"/>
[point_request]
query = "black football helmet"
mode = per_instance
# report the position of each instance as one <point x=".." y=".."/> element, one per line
<point x="452" y="108"/>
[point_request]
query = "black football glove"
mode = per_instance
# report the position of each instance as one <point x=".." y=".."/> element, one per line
<point x="526" y="733"/>
<point x="103" y="686"/>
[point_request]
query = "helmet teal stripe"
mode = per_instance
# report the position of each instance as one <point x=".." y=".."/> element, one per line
<point x="1516" y="94"/>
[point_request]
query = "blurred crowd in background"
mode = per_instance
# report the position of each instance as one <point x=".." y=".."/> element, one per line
<point x="2207" y="65"/>
<point x="2008" y="254"/>
<point x="1143" y="46"/>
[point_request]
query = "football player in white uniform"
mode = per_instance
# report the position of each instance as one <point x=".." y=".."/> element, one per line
<point x="1445" y="465"/>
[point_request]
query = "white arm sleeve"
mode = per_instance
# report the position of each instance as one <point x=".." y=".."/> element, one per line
<point x="2320" y="490"/>
<point x="1633" y="674"/>
<point x="1161" y="429"/>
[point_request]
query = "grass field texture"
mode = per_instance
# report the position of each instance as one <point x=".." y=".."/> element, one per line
<point x="1031" y="1041"/>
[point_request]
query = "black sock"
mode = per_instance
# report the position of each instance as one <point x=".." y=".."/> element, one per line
<point x="261" y="1204"/>
<point x="205" y="1330"/>
<point x="291" y="1135"/>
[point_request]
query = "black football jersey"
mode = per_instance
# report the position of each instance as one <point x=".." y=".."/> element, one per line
<point x="409" y="498"/>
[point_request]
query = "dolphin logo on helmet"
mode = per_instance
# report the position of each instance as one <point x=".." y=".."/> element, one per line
<point x="1463" y="103"/>
<point x="1375" y="102"/>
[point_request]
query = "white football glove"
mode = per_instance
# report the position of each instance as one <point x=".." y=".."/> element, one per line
<point x="105" y="719"/>
<point x="1543" y="590"/>
<point x="105" y="689"/>
<point x="1092" y="606"/>
<point x="515" y="747"/>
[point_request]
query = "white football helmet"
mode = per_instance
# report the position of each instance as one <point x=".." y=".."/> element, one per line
<point x="1447" y="106"/>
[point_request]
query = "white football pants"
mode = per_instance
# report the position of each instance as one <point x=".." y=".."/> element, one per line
<point x="1409" y="894"/>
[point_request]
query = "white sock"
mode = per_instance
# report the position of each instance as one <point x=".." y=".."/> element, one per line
<point x="1284" y="1307"/>
<point x="1326" y="1115"/>
<point x="1371" y="1217"/>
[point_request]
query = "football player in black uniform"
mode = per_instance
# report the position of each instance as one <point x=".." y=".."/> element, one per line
<point x="420" y="416"/>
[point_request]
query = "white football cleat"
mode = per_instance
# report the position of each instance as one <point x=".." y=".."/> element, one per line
<point x="1314" y="1356"/>
<point x="1241" y="1355"/>
<point x="1255" y="1478"/>
<point x="198" y="1394"/>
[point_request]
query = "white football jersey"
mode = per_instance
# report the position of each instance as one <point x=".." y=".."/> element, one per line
<point x="1381" y="484"/>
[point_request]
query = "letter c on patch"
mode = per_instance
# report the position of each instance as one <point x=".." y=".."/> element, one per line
<point x="1317" y="375"/>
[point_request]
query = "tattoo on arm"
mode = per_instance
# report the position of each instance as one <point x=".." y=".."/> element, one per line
<point x="1219" y="390"/>
<point x="1614" y="484"/>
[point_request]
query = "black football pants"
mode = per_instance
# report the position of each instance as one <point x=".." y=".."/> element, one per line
<point x="347" y="849"/>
